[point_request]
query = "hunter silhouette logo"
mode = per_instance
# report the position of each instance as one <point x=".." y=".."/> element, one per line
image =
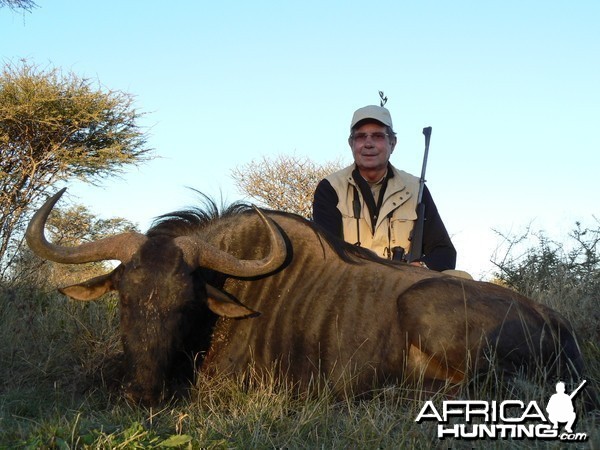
<point x="560" y="407"/>
<point x="508" y="419"/>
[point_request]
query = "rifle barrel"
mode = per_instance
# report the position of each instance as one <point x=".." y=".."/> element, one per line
<point x="427" y="133"/>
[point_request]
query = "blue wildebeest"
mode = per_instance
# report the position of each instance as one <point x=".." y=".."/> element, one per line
<point x="253" y="291"/>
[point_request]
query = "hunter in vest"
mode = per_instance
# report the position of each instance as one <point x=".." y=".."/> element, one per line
<point x="373" y="204"/>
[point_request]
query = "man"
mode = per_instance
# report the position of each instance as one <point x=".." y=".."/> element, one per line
<point x="373" y="204"/>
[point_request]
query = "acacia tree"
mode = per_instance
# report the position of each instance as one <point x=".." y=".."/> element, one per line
<point x="285" y="182"/>
<point x="54" y="127"/>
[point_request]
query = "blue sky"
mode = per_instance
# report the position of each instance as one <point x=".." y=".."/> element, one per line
<point x="510" y="89"/>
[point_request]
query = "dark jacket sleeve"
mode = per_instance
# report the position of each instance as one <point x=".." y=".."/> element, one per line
<point x="438" y="250"/>
<point x="325" y="212"/>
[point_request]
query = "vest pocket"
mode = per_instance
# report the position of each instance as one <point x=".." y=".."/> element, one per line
<point x="350" y="231"/>
<point x="400" y="229"/>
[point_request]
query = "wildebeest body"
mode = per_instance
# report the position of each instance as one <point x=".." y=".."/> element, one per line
<point x="358" y="323"/>
<point x="326" y="309"/>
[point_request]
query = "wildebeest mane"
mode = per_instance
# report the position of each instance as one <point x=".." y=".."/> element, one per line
<point x="193" y="219"/>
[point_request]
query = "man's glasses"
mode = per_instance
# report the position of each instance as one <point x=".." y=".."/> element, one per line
<point x="361" y="138"/>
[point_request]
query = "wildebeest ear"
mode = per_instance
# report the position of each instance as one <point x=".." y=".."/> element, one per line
<point x="223" y="305"/>
<point x="90" y="289"/>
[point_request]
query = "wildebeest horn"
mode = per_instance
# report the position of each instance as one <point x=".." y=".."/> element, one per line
<point x="120" y="247"/>
<point x="199" y="253"/>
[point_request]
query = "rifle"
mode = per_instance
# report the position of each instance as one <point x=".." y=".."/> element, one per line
<point x="416" y="235"/>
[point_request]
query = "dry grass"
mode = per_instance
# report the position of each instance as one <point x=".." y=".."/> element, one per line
<point x="56" y="366"/>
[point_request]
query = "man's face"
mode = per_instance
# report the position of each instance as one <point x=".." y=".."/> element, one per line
<point x="371" y="147"/>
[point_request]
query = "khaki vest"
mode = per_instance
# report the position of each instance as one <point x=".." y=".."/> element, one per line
<point x="396" y="216"/>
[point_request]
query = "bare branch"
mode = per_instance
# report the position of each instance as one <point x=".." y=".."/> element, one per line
<point x="285" y="182"/>
<point x="25" y="5"/>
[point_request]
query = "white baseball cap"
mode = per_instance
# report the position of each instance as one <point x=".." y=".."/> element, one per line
<point x="373" y="112"/>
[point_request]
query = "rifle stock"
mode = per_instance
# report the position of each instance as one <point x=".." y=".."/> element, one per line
<point x="416" y="238"/>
